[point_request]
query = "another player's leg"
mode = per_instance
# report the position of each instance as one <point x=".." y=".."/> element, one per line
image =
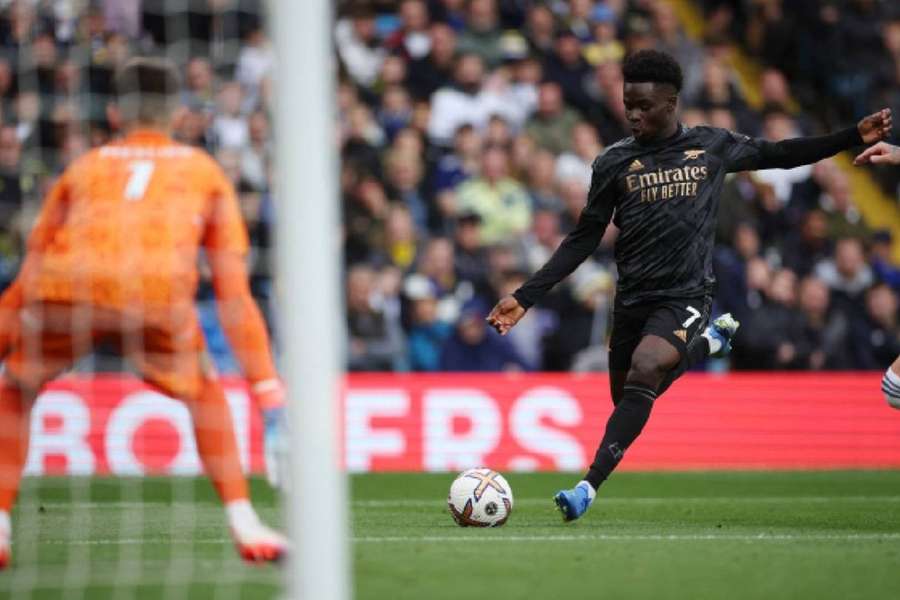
<point x="890" y="384"/>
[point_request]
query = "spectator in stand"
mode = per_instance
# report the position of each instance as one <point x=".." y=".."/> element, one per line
<point x="540" y="30"/>
<point x="501" y="202"/>
<point x="608" y="111"/>
<point x="542" y="178"/>
<point x="802" y="251"/>
<point x="404" y="177"/>
<point x="256" y="157"/>
<point x="229" y="126"/>
<point x="411" y="40"/>
<point x="463" y="103"/>
<point x="483" y="35"/>
<point x="427" y="333"/>
<point x="396" y="109"/>
<point x="881" y="260"/>
<point x="401" y="242"/>
<point x="462" y="163"/>
<point x="844" y="219"/>
<point x="730" y="264"/>
<point x="568" y="68"/>
<point x="436" y="262"/>
<point x="375" y="340"/>
<point x="429" y="73"/>
<point x="847" y="274"/>
<point x="769" y="333"/>
<point x="577" y="164"/>
<point x="877" y="335"/>
<point x="476" y="347"/>
<point x="823" y="344"/>
<point x="552" y="124"/>
<point x="357" y="45"/>
<point x="471" y="257"/>
<point x="671" y="39"/>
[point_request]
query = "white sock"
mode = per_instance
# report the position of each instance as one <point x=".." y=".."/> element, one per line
<point x="241" y="515"/>
<point x="714" y="344"/>
<point x="5" y="525"/>
<point x="890" y="384"/>
<point x="591" y="492"/>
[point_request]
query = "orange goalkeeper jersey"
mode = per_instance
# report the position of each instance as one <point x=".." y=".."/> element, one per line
<point x="123" y="226"/>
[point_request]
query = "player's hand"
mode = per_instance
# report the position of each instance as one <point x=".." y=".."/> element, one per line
<point x="506" y="314"/>
<point x="275" y="444"/>
<point x="876" y="126"/>
<point x="881" y="153"/>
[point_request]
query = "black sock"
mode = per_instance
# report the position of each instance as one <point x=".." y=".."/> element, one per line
<point x="624" y="425"/>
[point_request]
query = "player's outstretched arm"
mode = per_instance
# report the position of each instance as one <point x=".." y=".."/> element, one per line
<point x="746" y="154"/>
<point x="881" y="153"/>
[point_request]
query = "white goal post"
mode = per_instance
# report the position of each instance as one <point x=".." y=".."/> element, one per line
<point x="308" y="263"/>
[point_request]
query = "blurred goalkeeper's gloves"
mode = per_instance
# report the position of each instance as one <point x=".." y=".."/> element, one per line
<point x="269" y="397"/>
<point x="275" y="444"/>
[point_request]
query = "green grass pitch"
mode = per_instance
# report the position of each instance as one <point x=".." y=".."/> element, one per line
<point x="816" y="535"/>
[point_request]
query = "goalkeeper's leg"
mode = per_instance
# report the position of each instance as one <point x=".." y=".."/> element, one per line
<point x="179" y="366"/>
<point x="15" y="409"/>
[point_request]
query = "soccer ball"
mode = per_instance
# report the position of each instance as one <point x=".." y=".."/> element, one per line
<point x="480" y="498"/>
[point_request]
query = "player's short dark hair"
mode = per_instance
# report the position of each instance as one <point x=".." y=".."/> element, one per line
<point x="652" y="66"/>
<point x="147" y="89"/>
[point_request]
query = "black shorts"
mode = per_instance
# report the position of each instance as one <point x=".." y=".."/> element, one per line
<point x="678" y="321"/>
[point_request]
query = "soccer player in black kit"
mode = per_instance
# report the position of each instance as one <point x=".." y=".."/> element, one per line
<point x="661" y="188"/>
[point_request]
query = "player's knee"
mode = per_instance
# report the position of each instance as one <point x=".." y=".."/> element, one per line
<point x="646" y="368"/>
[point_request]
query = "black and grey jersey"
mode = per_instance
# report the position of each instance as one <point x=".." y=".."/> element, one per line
<point x="664" y="197"/>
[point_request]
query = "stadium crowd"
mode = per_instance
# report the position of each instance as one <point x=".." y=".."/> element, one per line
<point x="467" y="129"/>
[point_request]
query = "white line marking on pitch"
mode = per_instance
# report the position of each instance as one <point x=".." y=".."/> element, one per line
<point x="598" y="537"/>
<point x="423" y="503"/>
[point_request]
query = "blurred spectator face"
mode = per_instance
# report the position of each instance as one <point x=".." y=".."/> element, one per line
<point x="10" y="149"/>
<point x="568" y="48"/>
<point x="468" y="233"/>
<point x="528" y="71"/>
<point x="370" y="194"/>
<point x="424" y="311"/>
<point x="482" y="15"/>
<point x="758" y="274"/>
<point x="495" y="164"/>
<point x="437" y="259"/>
<point x="502" y="259"/>
<point x="74" y="145"/>
<point x="404" y="170"/>
<point x="815" y="226"/>
<point x="692" y="117"/>
<point x="722" y="117"/>
<point x="364" y="27"/>
<point x="119" y="49"/>
<point x="498" y="132"/>
<point x="542" y="173"/>
<point x="258" y="125"/>
<point x="28" y="107"/>
<point x="360" y="285"/>
<point x="814" y="297"/>
<point x="881" y="246"/>
<point x="469" y="71"/>
<point x="824" y="171"/>
<point x="22" y="17"/>
<point x="472" y="329"/>
<point x="715" y="81"/>
<point x="549" y="99"/>
<point x="664" y="20"/>
<point x="399" y="227"/>
<point x="891" y="37"/>
<point x="779" y="126"/>
<point x="191" y="126"/>
<point x="230" y="161"/>
<point x="881" y="302"/>
<point x="782" y="289"/>
<point x="230" y="99"/>
<point x="540" y="22"/>
<point x="775" y="88"/>
<point x="68" y="78"/>
<point x="420" y="116"/>
<point x="409" y="141"/>
<point x="393" y="71"/>
<point x="746" y="241"/>
<point x="585" y="141"/>
<point x="546" y="228"/>
<point x="609" y="77"/>
<point x="44" y="51"/>
<point x="467" y="142"/>
<point x="414" y="15"/>
<point x="199" y="75"/>
<point x="395" y="100"/>
<point x="849" y="257"/>
<point x="580" y="9"/>
<point x="573" y="195"/>
<point x="5" y="76"/>
<point x="839" y="190"/>
<point x="443" y="43"/>
<point x="523" y="151"/>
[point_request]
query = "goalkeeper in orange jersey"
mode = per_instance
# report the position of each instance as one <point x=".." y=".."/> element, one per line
<point x="113" y="259"/>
